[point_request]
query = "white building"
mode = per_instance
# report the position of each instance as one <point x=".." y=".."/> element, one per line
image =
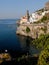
<point x="34" y="17"/>
<point x="43" y="13"/>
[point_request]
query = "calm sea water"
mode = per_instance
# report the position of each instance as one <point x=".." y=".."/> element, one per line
<point x="9" y="39"/>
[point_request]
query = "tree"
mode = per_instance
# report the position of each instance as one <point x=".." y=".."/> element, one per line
<point x="43" y="43"/>
<point x="27" y="29"/>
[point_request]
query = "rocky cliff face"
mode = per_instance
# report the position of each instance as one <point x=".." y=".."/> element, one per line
<point x="35" y="30"/>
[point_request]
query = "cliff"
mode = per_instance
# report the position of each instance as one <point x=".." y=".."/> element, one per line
<point x="33" y="30"/>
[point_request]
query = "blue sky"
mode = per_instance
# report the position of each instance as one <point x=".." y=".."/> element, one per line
<point x="17" y="8"/>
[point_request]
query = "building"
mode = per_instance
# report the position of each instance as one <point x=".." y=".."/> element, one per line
<point x="27" y="15"/>
<point x="25" y="18"/>
<point x="34" y="17"/>
<point x="47" y="6"/>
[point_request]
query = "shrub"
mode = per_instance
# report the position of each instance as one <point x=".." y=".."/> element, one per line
<point x="42" y="43"/>
<point x="44" y="18"/>
<point x="27" y="29"/>
<point x="44" y="29"/>
<point x="44" y="57"/>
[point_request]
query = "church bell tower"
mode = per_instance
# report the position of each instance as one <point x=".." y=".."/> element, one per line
<point x="27" y="15"/>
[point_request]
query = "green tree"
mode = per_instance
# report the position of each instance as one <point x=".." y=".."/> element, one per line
<point x="27" y="29"/>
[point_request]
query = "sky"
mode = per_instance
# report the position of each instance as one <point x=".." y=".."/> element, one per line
<point x="17" y="8"/>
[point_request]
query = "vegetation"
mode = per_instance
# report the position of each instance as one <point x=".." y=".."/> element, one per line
<point x="44" y="29"/>
<point x="44" y="57"/>
<point x="44" y="19"/>
<point x="40" y="10"/>
<point x="43" y="43"/>
<point x="27" y="29"/>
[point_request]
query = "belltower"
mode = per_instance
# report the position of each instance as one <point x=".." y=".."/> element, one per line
<point x="27" y="14"/>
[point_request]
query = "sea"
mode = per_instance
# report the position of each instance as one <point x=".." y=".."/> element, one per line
<point x="9" y="40"/>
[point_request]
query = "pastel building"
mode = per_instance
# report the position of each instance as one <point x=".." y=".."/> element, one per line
<point x="24" y="19"/>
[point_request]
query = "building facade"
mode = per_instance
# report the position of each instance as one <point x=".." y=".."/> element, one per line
<point x="25" y="18"/>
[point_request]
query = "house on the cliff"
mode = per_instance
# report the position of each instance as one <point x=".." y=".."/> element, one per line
<point x="25" y="18"/>
<point x="34" y="17"/>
